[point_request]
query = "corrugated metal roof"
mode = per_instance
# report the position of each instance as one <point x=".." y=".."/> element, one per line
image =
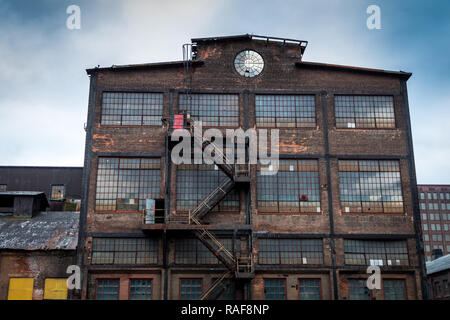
<point x="442" y="263"/>
<point x="46" y="231"/>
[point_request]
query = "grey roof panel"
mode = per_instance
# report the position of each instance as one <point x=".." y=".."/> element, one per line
<point x="46" y="231"/>
<point x="440" y="264"/>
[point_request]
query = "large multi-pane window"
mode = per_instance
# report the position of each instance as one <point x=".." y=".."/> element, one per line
<point x="107" y="289"/>
<point x="285" y="111"/>
<point x="274" y="289"/>
<point x="394" y="289"/>
<point x="124" y="251"/>
<point x="376" y="252"/>
<point x="294" y="188"/>
<point x="140" y="289"/>
<point x="290" y="251"/>
<point x="370" y="186"/>
<point x="132" y="109"/>
<point x="357" y="290"/>
<point x="192" y="251"/>
<point x="309" y="289"/>
<point x="190" y="289"/>
<point x="214" y="110"/>
<point x="364" y="111"/>
<point x="125" y="183"/>
<point x="195" y="182"/>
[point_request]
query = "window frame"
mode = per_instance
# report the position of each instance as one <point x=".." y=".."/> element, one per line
<point x="100" y="121"/>
<point x="297" y="185"/>
<point x="365" y="253"/>
<point x="285" y="95"/>
<point x="279" y="245"/>
<point x="106" y="279"/>
<point x="364" y="281"/>
<point x="179" y="288"/>
<point x="63" y="197"/>
<point x="405" y="291"/>
<point x="264" y="288"/>
<point x="139" y="177"/>
<point x="359" y="188"/>
<point x="320" y="287"/>
<point x="395" y="127"/>
<point x="130" y="280"/>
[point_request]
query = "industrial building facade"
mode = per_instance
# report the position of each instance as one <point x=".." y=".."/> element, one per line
<point x="344" y="196"/>
<point x="435" y="216"/>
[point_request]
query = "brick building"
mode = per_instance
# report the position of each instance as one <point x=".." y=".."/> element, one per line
<point x="344" y="198"/>
<point x="435" y="213"/>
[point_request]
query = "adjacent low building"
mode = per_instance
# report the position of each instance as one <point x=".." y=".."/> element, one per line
<point x="34" y="255"/>
<point x="438" y="274"/>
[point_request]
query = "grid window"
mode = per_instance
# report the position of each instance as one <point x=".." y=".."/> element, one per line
<point x="370" y="186"/>
<point x="125" y="183"/>
<point x="274" y="289"/>
<point x="422" y="196"/>
<point x="192" y="251"/>
<point x="124" y="251"/>
<point x="107" y="289"/>
<point x="58" y="192"/>
<point x="309" y="289"/>
<point x="290" y="251"/>
<point x="195" y="182"/>
<point x="132" y="109"/>
<point x="426" y="237"/>
<point x="295" y="188"/>
<point x="364" y="112"/>
<point x="423" y="206"/>
<point x="394" y="289"/>
<point x="190" y="289"/>
<point x="214" y="110"/>
<point x="3" y="187"/>
<point x="425" y="227"/>
<point x="424" y="216"/>
<point x="372" y="252"/>
<point x="141" y="289"/>
<point x="285" y="111"/>
<point x="358" y="290"/>
<point x="429" y="196"/>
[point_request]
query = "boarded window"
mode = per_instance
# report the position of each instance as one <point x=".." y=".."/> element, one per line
<point x="214" y="110"/>
<point x="55" y="289"/>
<point x="290" y="251"/>
<point x="125" y="183"/>
<point x="285" y="111"/>
<point x="20" y="289"/>
<point x="364" y="112"/>
<point x="124" y="251"/>
<point x="370" y="186"/>
<point x="375" y="252"/>
<point x="295" y="188"/>
<point x="132" y="109"/>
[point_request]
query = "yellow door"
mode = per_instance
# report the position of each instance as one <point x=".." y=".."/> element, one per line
<point x="55" y="289"/>
<point x="20" y="289"/>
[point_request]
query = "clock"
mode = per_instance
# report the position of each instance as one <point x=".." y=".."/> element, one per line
<point x="248" y="63"/>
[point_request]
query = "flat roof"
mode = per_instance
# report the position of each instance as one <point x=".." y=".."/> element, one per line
<point x="402" y="74"/>
<point x="178" y="63"/>
<point x="439" y="264"/>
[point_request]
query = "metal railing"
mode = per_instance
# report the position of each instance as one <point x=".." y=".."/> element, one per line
<point x="215" y="285"/>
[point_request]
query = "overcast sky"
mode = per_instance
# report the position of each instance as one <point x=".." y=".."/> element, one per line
<point x="44" y="86"/>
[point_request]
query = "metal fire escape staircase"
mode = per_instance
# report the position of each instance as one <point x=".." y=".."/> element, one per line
<point x="237" y="267"/>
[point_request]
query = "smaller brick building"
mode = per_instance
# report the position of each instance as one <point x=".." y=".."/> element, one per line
<point x="35" y="254"/>
<point x="435" y="217"/>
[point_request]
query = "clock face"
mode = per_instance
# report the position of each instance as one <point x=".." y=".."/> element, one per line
<point x="248" y="63"/>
